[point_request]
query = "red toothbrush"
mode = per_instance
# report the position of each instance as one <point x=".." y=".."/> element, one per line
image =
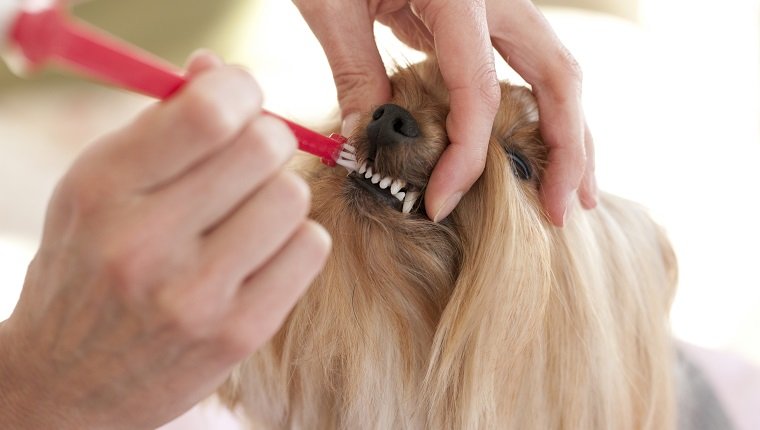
<point x="36" y="32"/>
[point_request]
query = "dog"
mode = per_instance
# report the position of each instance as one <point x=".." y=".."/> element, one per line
<point x="490" y="319"/>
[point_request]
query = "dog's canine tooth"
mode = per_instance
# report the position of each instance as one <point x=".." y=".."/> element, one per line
<point x="363" y="168"/>
<point x="375" y="178"/>
<point x="409" y="200"/>
<point x="397" y="185"/>
<point x="385" y="182"/>
<point x="399" y="195"/>
<point x="368" y="174"/>
<point x="411" y="196"/>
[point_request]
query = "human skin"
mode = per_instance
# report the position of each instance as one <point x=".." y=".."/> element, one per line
<point x="173" y="248"/>
<point x="462" y="34"/>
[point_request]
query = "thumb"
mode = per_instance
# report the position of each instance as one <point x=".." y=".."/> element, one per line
<point x="344" y="28"/>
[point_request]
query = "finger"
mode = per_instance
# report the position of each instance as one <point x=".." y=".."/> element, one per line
<point x="255" y="232"/>
<point x="200" y="61"/>
<point x="409" y="29"/>
<point x="588" y="191"/>
<point x="170" y="138"/>
<point x="267" y="297"/>
<point x="523" y="36"/>
<point x="345" y="31"/>
<point x="213" y="189"/>
<point x="466" y="60"/>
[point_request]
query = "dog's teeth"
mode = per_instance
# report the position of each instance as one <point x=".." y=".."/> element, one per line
<point x="385" y="182"/>
<point x="397" y="185"/>
<point x="375" y="178"/>
<point x="409" y="200"/>
<point x="400" y="196"/>
<point x="368" y="174"/>
<point x="363" y="168"/>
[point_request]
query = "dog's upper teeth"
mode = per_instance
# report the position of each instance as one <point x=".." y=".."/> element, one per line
<point x="397" y="185"/>
<point x="409" y="200"/>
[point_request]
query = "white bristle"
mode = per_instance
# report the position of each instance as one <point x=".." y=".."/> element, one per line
<point x="347" y="156"/>
<point x="348" y="164"/>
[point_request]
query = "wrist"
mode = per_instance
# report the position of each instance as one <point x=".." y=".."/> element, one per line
<point x="23" y="403"/>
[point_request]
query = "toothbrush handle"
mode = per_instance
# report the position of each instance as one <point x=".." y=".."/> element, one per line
<point x="48" y="35"/>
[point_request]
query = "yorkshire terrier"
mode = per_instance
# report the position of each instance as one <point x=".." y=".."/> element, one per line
<point x="490" y="319"/>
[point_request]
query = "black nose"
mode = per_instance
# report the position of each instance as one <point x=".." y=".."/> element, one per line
<point x="391" y="124"/>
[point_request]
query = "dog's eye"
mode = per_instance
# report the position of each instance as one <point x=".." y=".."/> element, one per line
<point x="520" y="166"/>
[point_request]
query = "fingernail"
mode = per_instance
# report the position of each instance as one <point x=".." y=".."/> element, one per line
<point x="445" y="209"/>
<point x="349" y="124"/>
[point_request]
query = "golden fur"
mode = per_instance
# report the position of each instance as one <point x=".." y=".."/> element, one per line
<point x="491" y="319"/>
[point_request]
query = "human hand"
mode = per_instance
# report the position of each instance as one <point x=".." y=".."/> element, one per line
<point x="462" y="34"/>
<point x="172" y="249"/>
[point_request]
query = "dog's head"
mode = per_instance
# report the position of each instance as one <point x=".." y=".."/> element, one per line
<point x="433" y="282"/>
<point x="380" y="208"/>
<point x="491" y="318"/>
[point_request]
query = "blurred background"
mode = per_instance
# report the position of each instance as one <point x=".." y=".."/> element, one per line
<point x="671" y="92"/>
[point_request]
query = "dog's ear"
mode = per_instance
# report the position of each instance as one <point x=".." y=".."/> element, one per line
<point x="494" y="318"/>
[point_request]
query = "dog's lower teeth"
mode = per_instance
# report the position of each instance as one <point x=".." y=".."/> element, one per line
<point x="400" y="196"/>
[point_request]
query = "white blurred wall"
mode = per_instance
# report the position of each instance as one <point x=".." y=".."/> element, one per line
<point x="673" y="102"/>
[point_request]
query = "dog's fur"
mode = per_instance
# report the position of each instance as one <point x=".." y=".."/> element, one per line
<point x="491" y="319"/>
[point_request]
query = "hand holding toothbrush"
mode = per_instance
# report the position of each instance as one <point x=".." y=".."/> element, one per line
<point x="173" y="248"/>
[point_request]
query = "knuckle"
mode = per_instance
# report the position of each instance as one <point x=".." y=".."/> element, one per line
<point x="127" y="263"/>
<point x="489" y="87"/>
<point x="186" y="312"/>
<point x="318" y="243"/>
<point x="207" y="116"/>
<point x="294" y="191"/>
<point x="270" y="142"/>
<point x="216" y="111"/>
<point x="241" y="342"/>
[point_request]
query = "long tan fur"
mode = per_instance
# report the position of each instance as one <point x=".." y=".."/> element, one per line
<point x="492" y="319"/>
